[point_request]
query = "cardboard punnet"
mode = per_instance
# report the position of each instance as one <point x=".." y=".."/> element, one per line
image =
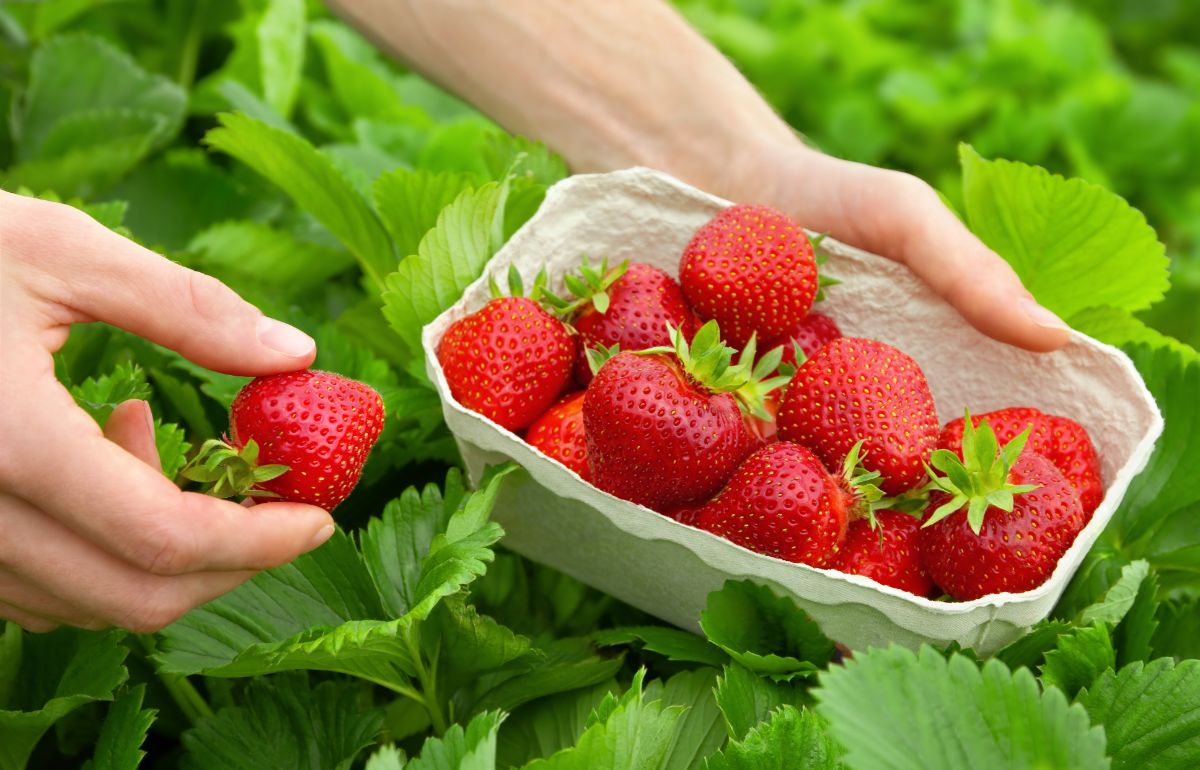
<point x="667" y="568"/>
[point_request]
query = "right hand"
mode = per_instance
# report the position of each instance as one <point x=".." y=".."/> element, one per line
<point x="93" y="534"/>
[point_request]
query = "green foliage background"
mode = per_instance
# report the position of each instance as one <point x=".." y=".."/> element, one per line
<point x="267" y="144"/>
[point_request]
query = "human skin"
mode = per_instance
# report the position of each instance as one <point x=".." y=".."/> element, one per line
<point x="627" y="82"/>
<point x="94" y="535"/>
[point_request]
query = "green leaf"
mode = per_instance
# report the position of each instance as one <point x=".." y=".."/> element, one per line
<point x="747" y="699"/>
<point x="242" y="252"/>
<point x="1178" y="631"/>
<point x="547" y="725"/>
<point x="701" y="729"/>
<point x="123" y="732"/>
<point x="172" y="447"/>
<point x="409" y="202"/>
<point x="1074" y="245"/>
<point x="1078" y="659"/>
<point x="1120" y="327"/>
<point x="894" y="709"/>
<point x="557" y="666"/>
<point x="1150" y="713"/>
<point x="284" y="723"/>
<point x="98" y="396"/>
<point x="450" y="257"/>
<point x="467" y="645"/>
<point x="766" y="633"/>
<point x="360" y="82"/>
<point x="1119" y="598"/>
<point x="631" y="734"/>
<point x="312" y="181"/>
<point x="1134" y="635"/>
<point x="789" y="738"/>
<point x="280" y="36"/>
<point x="673" y="643"/>
<point x="471" y="749"/>
<point x="58" y="673"/>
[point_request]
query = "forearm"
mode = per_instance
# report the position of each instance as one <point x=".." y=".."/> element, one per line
<point x="606" y="84"/>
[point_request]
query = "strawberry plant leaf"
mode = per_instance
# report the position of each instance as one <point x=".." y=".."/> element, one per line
<point x="1119" y="327"/>
<point x="98" y="396"/>
<point x="790" y="737"/>
<point x="701" y="729"/>
<point x="892" y="708"/>
<point x="409" y="202"/>
<point x="673" y="643"/>
<point x="125" y="726"/>
<point x="172" y="447"/>
<point x="1178" y="632"/>
<point x="1134" y="635"/>
<point x="548" y="725"/>
<point x="747" y="699"/>
<point x="449" y="258"/>
<point x="311" y="180"/>
<point x="1078" y="658"/>
<point x="554" y="667"/>
<point x="283" y="722"/>
<point x="629" y="733"/>
<point x="472" y="748"/>
<point x="360" y="81"/>
<point x="1150" y="713"/>
<point x="1074" y="244"/>
<point x="61" y="672"/>
<point x="280" y="36"/>
<point x="765" y="633"/>
<point x="466" y="644"/>
<point x="1117" y="600"/>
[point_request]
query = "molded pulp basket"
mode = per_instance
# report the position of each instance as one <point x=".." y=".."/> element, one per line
<point x="667" y="568"/>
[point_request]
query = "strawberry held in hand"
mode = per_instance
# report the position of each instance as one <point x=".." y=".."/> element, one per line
<point x="667" y="428"/>
<point x="889" y="553"/>
<point x="782" y="502"/>
<point x="1062" y="441"/>
<point x="559" y="434"/>
<point x="752" y="269"/>
<point x="629" y="306"/>
<point x="862" y="390"/>
<point x="1021" y="517"/>
<point x="508" y="361"/>
<point x="300" y="436"/>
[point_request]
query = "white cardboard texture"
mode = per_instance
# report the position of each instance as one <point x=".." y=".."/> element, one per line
<point x="667" y="568"/>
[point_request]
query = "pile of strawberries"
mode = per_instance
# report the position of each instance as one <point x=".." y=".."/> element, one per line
<point x="724" y="402"/>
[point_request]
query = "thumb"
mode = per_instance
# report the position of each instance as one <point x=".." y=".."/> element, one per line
<point x="121" y="283"/>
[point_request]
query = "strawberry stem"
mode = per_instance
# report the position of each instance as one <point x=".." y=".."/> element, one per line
<point x="980" y="478"/>
<point x="231" y="472"/>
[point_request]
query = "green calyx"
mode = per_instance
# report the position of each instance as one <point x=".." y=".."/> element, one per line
<point x="979" y="480"/>
<point x="516" y="285"/>
<point x="868" y="497"/>
<point x="710" y="362"/>
<point x="820" y="258"/>
<point x="588" y="287"/>
<point x="229" y="472"/>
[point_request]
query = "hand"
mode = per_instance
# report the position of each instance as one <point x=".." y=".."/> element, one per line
<point x="897" y="215"/>
<point x="94" y="534"/>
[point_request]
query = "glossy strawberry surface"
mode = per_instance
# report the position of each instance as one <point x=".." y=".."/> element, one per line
<point x="658" y="438"/>
<point x="321" y="425"/>
<point x="752" y="269"/>
<point x="811" y="334"/>
<point x="889" y="554"/>
<point x="508" y="361"/>
<point x="1060" y="440"/>
<point x="783" y="503"/>
<point x="559" y="434"/>
<point x="1015" y="550"/>
<point x="858" y="389"/>
<point x="640" y="305"/>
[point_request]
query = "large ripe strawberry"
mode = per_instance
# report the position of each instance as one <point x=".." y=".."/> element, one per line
<point x="752" y="269"/>
<point x="630" y="307"/>
<point x="811" y="334"/>
<point x="666" y="429"/>
<point x="1021" y="515"/>
<point x="508" y="361"/>
<point x="559" y="434"/>
<point x="889" y="553"/>
<point x="1060" y="440"/>
<point x="862" y="390"/>
<point x="782" y="502"/>
<point x="301" y="436"/>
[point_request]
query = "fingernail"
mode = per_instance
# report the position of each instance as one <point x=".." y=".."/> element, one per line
<point x="323" y="534"/>
<point x="286" y="339"/>
<point x="1041" y="316"/>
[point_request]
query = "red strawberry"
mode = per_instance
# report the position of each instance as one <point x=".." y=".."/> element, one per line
<point x="668" y="430"/>
<point x="1062" y="441"/>
<point x="508" y="361"/>
<point x="752" y="269"/>
<point x="559" y="434"/>
<point x="894" y="560"/>
<point x="300" y="436"/>
<point x="782" y="502"/>
<point x="811" y="334"/>
<point x="857" y="389"/>
<point x="629" y="306"/>
<point x="1021" y="517"/>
